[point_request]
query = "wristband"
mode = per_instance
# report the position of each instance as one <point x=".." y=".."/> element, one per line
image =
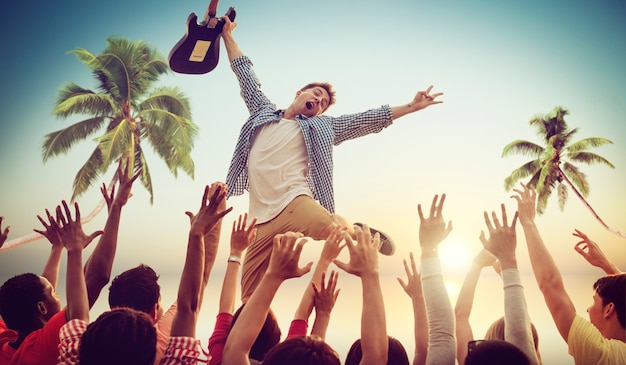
<point x="233" y="258"/>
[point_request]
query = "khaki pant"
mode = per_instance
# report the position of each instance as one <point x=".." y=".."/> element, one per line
<point x="303" y="215"/>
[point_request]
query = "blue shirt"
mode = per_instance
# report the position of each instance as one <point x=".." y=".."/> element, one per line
<point x="320" y="134"/>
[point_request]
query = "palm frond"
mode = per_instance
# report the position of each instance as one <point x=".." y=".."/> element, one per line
<point x="577" y="178"/>
<point x="590" y="158"/>
<point x="169" y="149"/>
<point x="587" y="143"/>
<point x="113" y="143"/>
<point x="563" y="194"/>
<point x="145" y="178"/>
<point x="169" y="99"/>
<point x="87" y="174"/>
<point x="522" y="147"/>
<point x="61" y="141"/>
<point x="527" y="169"/>
<point x="73" y="99"/>
<point x="86" y="57"/>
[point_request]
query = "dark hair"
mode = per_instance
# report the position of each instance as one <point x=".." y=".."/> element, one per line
<point x="326" y="86"/>
<point x="137" y="288"/>
<point x="302" y="350"/>
<point x="396" y="353"/>
<point x="268" y="337"/>
<point x="121" y="336"/>
<point x="494" y="352"/>
<point x="612" y="289"/>
<point x="18" y="301"/>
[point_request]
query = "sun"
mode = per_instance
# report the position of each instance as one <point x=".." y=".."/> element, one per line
<point x="455" y="254"/>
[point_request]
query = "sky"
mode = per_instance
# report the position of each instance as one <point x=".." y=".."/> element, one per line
<point x="497" y="63"/>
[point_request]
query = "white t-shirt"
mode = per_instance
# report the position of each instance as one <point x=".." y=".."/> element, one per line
<point x="277" y="168"/>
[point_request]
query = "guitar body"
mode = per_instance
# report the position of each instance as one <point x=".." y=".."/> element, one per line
<point x="198" y="51"/>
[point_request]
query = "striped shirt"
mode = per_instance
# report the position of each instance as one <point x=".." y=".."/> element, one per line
<point x="320" y="134"/>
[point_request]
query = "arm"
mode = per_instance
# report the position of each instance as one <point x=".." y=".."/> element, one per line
<point x="240" y="238"/>
<point x="413" y="287"/>
<point x="3" y="234"/>
<point x="51" y="269"/>
<point x="421" y="100"/>
<point x="99" y="265"/>
<point x="325" y="298"/>
<point x="546" y="272"/>
<point x="502" y="243"/>
<point x="465" y="301"/>
<point x="71" y="235"/>
<point x="591" y="252"/>
<point x="232" y="48"/>
<point x="364" y="264"/>
<point x="330" y="251"/>
<point x="282" y="266"/>
<point x="191" y="281"/>
<point x="441" y="340"/>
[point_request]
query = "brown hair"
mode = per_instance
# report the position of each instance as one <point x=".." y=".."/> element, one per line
<point x="326" y="86"/>
<point x="302" y="350"/>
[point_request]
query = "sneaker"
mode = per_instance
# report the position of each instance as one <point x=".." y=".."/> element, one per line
<point x="386" y="246"/>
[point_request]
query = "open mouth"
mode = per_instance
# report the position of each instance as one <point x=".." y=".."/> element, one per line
<point x="309" y="105"/>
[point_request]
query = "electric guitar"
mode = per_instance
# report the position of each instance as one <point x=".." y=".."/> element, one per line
<point x="198" y="51"/>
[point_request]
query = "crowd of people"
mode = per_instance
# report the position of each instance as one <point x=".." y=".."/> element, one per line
<point x="283" y="158"/>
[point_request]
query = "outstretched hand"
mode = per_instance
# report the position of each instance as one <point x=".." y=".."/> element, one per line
<point x="526" y="200"/>
<point x="502" y="238"/>
<point x="591" y="252"/>
<point x="241" y="237"/>
<point x="413" y="286"/>
<point x="3" y="234"/>
<point x="425" y="99"/>
<point x="433" y="230"/>
<point x="125" y="186"/>
<point x="66" y="231"/>
<point x="324" y="298"/>
<point x="208" y="214"/>
<point x="363" y="255"/>
<point x="286" y="252"/>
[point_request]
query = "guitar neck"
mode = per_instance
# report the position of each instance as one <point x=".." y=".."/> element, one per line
<point x="211" y="11"/>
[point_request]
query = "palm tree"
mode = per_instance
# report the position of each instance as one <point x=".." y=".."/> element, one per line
<point x="131" y="111"/>
<point x="552" y="166"/>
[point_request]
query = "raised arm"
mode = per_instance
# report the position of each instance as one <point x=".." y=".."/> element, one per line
<point x="501" y="243"/>
<point x="99" y="265"/>
<point x="232" y="48"/>
<point x="282" y="266"/>
<point x="330" y="251"/>
<point x="591" y="252"/>
<point x="51" y="268"/>
<point x="413" y="288"/>
<point x="441" y="340"/>
<point x="191" y="281"/>
<point x="546" y="272"/>
<point x="325" y="298"/>
<point x="364" y="264"/>
<point x="465" y="301"/>
<point x="422" y="99"/>
<point x="71" y="235"/>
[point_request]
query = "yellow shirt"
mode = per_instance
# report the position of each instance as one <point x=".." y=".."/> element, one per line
<point x="588" y="346"/>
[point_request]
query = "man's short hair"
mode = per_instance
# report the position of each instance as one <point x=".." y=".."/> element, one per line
<point x="612" y="289"/>
<point x="302" y="350"/>
<point x="326" y="86"/>
<point x="495" y="352"/>
<point x="136" y="288"/>
<point x="121" y="336"/>
<point x="18" y="301"/>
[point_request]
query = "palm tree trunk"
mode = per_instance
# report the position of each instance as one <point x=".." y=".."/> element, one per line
<point x="606" y="226"/>
<point x="35" y="236"/>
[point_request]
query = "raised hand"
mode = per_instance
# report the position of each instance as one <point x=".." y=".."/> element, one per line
<point x="326" y="295"/>
<point x="286" y="252"/>
<point x="65" y="230"/>
<point x="413" y="286"/>
<point x="125" y="186"/>
<point x="208" y="214"/>
<point x="424" y="99"/>
<point x="363" y="254"/>
<point x="241" y="237"/>
<point x="433" y="230"/>
<point x="591" y="252"/>
<point x="333" y="245"/>
<point x="502" y="238"/>
<point x="526" y="200"/>
<point x="3" y="234"/>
